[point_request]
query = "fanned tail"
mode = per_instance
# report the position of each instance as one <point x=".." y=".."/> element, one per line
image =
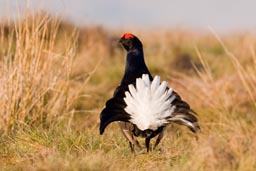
<point x="187" y="118"/>
<point x="149" y="104"/>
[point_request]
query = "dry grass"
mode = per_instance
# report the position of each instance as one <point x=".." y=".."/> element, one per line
<point x="34" y="73"/>
<point x="54" y="83"/>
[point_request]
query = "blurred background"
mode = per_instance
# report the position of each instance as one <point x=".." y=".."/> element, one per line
<point x="221" y="15"/>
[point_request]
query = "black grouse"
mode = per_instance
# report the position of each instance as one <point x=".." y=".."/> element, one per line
<point x="143" y="105"/>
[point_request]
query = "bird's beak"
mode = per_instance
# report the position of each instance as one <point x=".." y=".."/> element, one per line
<point x="121" y="40"/>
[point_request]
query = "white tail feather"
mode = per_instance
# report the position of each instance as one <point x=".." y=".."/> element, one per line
<point x="149" y="103"/>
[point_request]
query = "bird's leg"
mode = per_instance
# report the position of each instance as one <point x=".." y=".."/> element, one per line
<point x="132" y="147"/>
<point x="133" y="143"/>
<point x="137" y="144"/>
<point x="159" y="138"/>
<point x="129" y="135"/>
<point x="147" y="142"/>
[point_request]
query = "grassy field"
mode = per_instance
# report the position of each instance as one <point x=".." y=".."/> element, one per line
<point x="55" y="79"/>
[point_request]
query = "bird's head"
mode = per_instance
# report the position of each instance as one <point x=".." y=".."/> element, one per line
<point x="130" y="42"/>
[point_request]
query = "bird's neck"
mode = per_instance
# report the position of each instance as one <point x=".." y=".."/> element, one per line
<point x="135" y="66"/>
<point x="134" y="61"/>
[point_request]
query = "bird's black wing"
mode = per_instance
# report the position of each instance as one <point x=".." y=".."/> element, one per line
<point x="114" y="109"/>
<point x="183" y="114"/>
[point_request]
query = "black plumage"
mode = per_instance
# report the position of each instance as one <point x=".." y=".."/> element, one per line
<point x="115" y="107"/>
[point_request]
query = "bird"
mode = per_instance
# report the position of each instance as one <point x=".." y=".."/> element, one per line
<point x="143" y="105"/>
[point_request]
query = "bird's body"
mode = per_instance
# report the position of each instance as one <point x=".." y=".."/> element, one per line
<point x="142" y="104"/>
